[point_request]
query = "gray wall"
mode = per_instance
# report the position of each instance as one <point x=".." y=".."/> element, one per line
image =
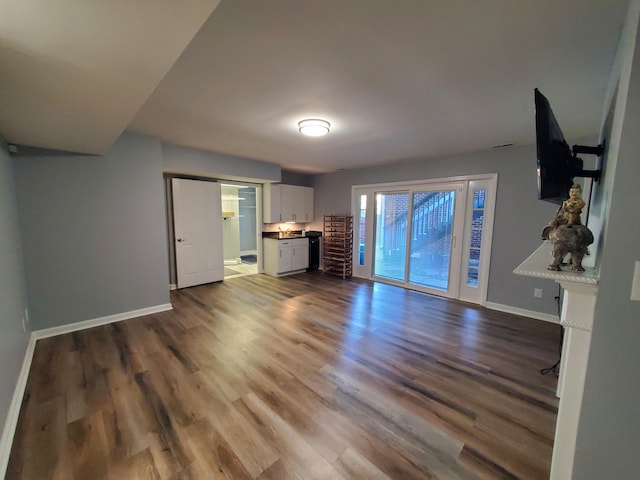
<point x="192" y="161"/>
<point x="248" y="220"/>
<point x="296" y="178"/>
<point x="609" y="430"/>
<point x="13" y="293"/>
<point x="94" y="232"/>
<point x="519" y="216"/>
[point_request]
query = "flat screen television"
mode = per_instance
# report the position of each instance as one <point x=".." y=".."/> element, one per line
<point x="558" y="164"/>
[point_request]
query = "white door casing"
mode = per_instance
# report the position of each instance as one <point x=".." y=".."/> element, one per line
<point x="197" y="213"/>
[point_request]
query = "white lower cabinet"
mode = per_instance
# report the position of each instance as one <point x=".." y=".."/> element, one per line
<point x="300" y="255"/>
<point x="285" y="256"/>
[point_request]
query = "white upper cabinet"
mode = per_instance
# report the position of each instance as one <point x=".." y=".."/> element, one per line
<point x="292" y="203"/>
<point x="287" y="203"/>
<point x="308" y="204"/>
<point x="271" y="204"/>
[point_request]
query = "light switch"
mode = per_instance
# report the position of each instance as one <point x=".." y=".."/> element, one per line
<point x="635" y="286"/>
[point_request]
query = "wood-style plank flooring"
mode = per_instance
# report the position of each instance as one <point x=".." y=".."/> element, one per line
<point x="302" y="377"/>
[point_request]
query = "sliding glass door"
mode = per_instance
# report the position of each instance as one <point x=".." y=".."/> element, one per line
<point x="432" y="219"/>
<point x="426" y="236"/>
<point x="415" y="233"/>
<point x="391" y="235"/>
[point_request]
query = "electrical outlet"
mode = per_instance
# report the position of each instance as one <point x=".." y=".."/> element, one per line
<point x="25" y="320"/>
<point x="537" y="292"/>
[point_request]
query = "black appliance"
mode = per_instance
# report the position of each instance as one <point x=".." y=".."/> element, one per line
<point x="314" y="249"/>
<point x="558" y="164"/>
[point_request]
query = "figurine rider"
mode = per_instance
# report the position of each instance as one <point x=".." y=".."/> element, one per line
<point x="567" y="233"/>
<point x="572" y="207"/>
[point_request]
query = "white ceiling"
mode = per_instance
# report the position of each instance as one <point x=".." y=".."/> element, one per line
<point x="74" y="73"/>
<point x="397" y="79"/>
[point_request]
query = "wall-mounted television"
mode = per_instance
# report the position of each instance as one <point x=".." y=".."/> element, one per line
<point x="558" y="164"/>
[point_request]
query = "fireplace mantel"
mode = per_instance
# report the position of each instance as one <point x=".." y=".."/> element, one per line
<point x="581" y="290"/>
<point x="536" y="266"/>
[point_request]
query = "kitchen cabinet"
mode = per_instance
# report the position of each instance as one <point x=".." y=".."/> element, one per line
<point x="272" y="203"/>
<point x="287" y="203"/>
<point x="292" y="203"/>
<point x="285" y="256"/>
<point x="308" y="204"/>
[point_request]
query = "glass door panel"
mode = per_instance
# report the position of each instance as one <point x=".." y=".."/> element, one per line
<point x="480" y="204"/>
<point x="432" y="236"/>
<point x="362" y="224"/>
<point x="475" y="245"/>
<point x="391" y="235"/>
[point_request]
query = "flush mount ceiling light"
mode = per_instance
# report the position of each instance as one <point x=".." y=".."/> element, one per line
<point x="313" y="127"/>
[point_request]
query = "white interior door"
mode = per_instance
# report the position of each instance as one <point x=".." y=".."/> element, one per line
<point x="197" y="216"/>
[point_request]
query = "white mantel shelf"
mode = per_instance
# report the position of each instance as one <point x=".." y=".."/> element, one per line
<point x="578" y="306"/>
<point x="537" y="266"/>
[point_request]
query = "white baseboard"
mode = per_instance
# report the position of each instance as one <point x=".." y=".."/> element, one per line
<point x="547" y="317"/>
<point x="18" y="394"/>
<point x="173" y="286"/>
<point x="14" y="407"/>
<point x="74" y="327"/>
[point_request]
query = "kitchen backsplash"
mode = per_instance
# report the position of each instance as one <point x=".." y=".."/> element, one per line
<point x="282" y="227"/>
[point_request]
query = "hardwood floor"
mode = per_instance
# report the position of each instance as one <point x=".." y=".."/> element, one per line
<point x="301" y="377"/>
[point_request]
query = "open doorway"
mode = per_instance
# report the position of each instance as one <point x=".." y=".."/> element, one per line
<point x="239" y="229"/>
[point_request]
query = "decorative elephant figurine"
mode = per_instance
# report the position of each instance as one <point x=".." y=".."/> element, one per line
<point x="573" y="239"/>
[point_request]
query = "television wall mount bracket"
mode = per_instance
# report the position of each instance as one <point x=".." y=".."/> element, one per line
<point x="597" y="151"/>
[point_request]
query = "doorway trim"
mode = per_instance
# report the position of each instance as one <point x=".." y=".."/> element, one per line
<point x="258" y="187"/>
<point x="167" y="175"/>
<point x="258" y="218"/>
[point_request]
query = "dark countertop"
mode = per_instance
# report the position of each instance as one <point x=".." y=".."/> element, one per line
<point x="289" y="235"/>
<point x="283" y="236"/>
